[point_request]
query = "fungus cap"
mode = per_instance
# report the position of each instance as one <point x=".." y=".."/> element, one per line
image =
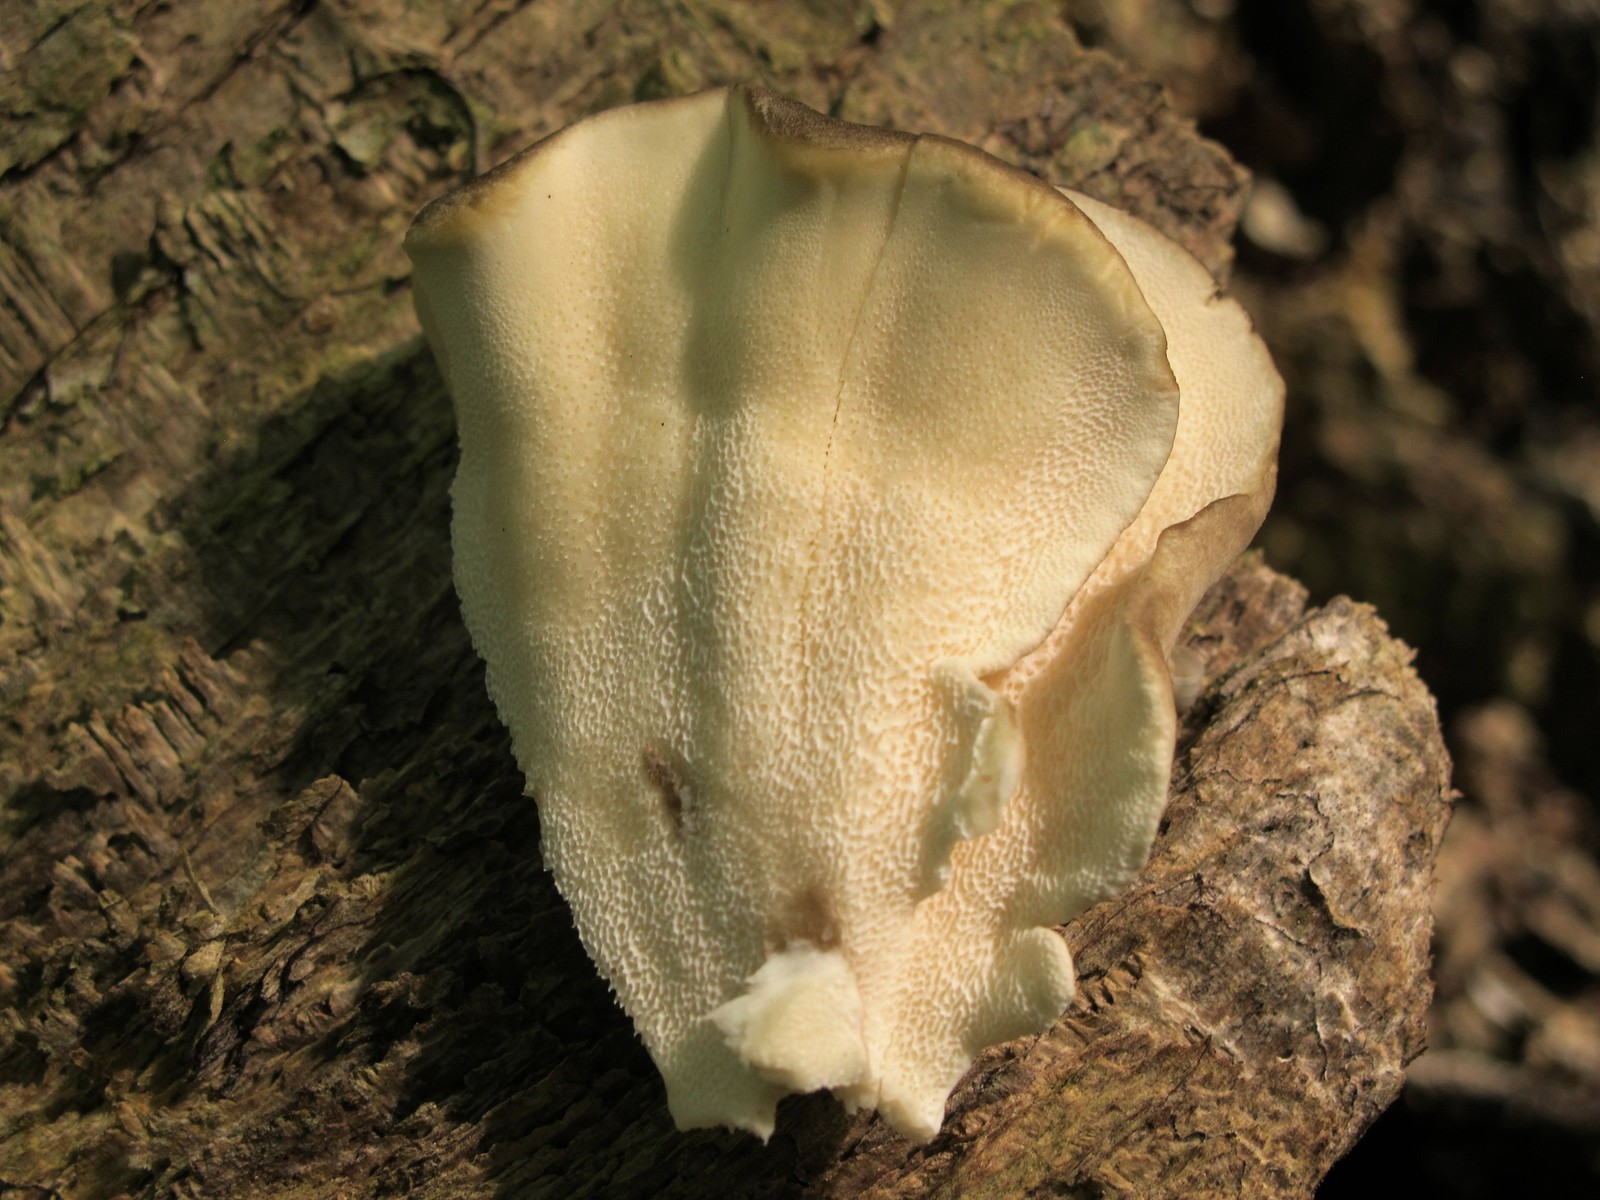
<point x="829" y="499"/>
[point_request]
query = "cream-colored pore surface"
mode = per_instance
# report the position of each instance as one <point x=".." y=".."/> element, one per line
<point x="781" y="443"/>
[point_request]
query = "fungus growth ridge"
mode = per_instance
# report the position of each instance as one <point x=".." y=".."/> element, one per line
<point x="829" y="502"/>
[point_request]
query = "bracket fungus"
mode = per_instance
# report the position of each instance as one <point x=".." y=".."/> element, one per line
<point x="829" y="502"/>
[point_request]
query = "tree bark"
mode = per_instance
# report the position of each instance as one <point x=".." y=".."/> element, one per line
<point x="272" y="916"/>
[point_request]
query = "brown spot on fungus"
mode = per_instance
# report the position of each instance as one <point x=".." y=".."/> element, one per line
<point x="668" y="773"/>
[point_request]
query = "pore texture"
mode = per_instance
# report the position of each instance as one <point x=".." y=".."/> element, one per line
<point x="826" y="509"/>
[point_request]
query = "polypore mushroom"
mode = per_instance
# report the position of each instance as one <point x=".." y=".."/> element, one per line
<point x="829" y="500"/>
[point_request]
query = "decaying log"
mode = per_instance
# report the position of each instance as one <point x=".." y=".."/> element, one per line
<point x="272" y="916"/>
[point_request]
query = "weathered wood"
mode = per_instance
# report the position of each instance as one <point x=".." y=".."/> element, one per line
<point x="272" y="918"/>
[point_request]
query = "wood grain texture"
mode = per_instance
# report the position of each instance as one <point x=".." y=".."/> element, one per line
<point x="272" y="916"/>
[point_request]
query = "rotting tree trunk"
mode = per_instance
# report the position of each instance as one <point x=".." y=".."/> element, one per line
<point x="272" y="918"/>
